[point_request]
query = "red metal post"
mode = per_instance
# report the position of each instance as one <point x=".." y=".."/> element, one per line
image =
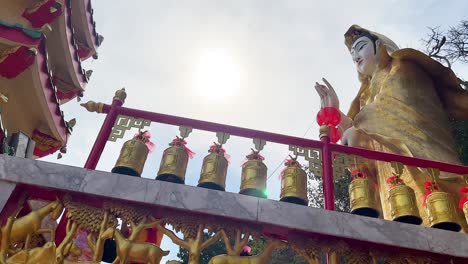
<point x="103" y="135"/>
<point x="327" y="170"/>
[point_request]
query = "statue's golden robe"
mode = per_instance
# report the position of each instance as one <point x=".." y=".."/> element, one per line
<point x="403" y="109"/>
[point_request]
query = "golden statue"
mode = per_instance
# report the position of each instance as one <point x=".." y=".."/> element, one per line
<point x="262" y="258"/>
<point x="404" y="106"/>
<point x="128" y="251"/>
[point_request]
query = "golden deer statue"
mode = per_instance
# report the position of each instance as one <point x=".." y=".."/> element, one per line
<point x="262" y="258"/>
<point x="39" y="255"/>
<point x="134" y="251"/>
<point x="21" y="229"/>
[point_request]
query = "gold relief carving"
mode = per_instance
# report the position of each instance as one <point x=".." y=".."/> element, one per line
<point x="240" y="240"/>
<point x="22" y="242"/>
<point x="17" y="234"/>
<point x="193" y="231"/>
<point x="312" y="248"/>
<point x="313" y="156"/>
<point x="92" y="219"/>
<point x="128" y="251"/>
<point x="261" y="258"/>
<point x="124" y="123"/>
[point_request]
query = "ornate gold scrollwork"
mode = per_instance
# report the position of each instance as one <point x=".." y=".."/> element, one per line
<point x="313" y="156"/>
<point x="124" y="123"/>
<point x="261" y="258"/>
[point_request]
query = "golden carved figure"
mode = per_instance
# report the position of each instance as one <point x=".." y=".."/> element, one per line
<point x="22" y="229"/>
<point x="404" y="106"/>
<point x="38" y="255"/>
<point x="239" y="242"/>
<point x="194" y="239"/>
<point x="133" y="251"/>
<point x="84" y="217"/>
<point x="262" y="258"/>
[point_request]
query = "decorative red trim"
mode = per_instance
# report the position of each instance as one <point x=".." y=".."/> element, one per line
<point x="16" y="62"/>
<point x="84" y="52"/>
<point x="17" y="35"/>
<point x="41" y="13"/>
<point x="45" y="144"/>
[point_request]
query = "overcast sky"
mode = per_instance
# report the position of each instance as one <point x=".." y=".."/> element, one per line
<point x="277" y="49"/>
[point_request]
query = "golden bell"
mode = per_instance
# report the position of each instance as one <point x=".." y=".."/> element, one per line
<point x="361" y="200"/>
<point x="294" y="185"/>
<point x="403" y="206"/>
<point x="213" y="172"/>
<point x="442" y="211"/>
<point x="132" y="158"/>
<point x="254" y="177"/>
<point x="173" y="165"/>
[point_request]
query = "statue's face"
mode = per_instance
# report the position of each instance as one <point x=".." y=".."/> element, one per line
<point x="363" y="55"/>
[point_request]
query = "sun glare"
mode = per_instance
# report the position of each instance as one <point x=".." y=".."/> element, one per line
<point x="216" y="75"/>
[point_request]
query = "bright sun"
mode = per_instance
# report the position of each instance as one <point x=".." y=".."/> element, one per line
<point x="216" y="75"/>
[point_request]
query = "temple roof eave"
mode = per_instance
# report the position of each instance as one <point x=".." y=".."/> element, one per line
<point x="63" y="52"/>
<point x="85" y="27"/>
<point x="41" y="91"/>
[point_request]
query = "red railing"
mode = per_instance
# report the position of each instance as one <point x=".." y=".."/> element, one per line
<point x="115" y="109"/>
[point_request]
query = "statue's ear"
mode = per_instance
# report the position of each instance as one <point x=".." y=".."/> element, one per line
<point x="384" y="57"/>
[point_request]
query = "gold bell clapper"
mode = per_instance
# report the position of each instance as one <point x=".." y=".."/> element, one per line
<point x="133" y="155"/>
<point x="174" y="162"/>
<point x="214" y="169"/>
<point x="440" y="208"/>
<point x="254" y="176"/>
<point x="293" y="183"/>
<point x="362" y="200"/>
<point x="463" y="204"/>
<point x="402" y="201"/>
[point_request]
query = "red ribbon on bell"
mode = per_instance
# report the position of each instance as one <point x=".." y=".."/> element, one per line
<point x="146" y="135"/>
<point x="180" y="142"/>
<point x="430" y="187"/>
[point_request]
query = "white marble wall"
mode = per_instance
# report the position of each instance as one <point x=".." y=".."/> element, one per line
<point x="282" y="217"/>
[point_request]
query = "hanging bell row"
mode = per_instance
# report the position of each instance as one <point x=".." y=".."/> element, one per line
<point x="174" y="162"/>
<point x="439" y="205"/>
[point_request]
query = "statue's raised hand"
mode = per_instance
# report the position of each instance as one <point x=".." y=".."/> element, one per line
<point x="328" y="97"/>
